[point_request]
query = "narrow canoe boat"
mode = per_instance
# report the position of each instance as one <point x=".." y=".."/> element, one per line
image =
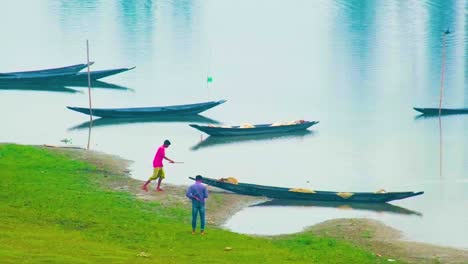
<point x="444" y="111"/>
<point x="249" y="130"/>
<point x="158" y="111"/>
<point x="67" y="78"/>
<point x="376" y="207"/>
<point x="67" y="69"/>
<point x="304" y="194"/>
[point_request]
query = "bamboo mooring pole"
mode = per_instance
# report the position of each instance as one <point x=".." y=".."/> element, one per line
<point x="442" y="71"/>
<point x="89" y="95"/>
<point x="441" y="95"/>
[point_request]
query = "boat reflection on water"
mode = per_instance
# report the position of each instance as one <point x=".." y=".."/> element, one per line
<point x="101" y="122"/>
<point x="376" y="207"/>
<point x="99" y="84"/>
<point x="37" y="87"/>
<point x="441" y="145"/>
<point x="423" y="116"/>
<point x="56" y="87"/>
<point x="213" y="141"/>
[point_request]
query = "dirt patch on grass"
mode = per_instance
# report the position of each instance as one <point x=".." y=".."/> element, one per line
<point x="386" y="241"/>
<point x="369" y="234"/>
<point x="220" y="205"/>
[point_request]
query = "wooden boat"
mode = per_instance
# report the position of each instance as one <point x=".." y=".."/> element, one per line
<point x="249" y="130"/>
<point x="158" y="111"/>
<point x="444" y="111"/>
<point x="304" y="194"/>
<point x="67" y="69"/>
<point x="67" y="78"/>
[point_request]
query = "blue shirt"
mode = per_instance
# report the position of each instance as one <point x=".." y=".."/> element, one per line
<point x="197" y="190"/>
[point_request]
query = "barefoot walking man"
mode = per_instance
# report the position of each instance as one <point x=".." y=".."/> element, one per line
<point x="158" y="172"/>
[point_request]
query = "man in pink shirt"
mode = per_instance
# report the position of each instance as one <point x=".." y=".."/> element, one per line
<point x="158" y="172"/>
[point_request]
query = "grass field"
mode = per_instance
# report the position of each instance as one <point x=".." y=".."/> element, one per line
<point x="53" y="210"/>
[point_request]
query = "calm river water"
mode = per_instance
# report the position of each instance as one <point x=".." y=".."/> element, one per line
<point x="356" y="66"/>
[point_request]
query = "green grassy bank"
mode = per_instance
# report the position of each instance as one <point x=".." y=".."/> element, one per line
<point x="53" y="210"/>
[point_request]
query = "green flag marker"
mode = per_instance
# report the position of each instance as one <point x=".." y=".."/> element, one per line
<point x="209" y="79"/>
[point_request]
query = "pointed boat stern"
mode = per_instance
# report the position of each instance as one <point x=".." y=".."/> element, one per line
<point x="79" y="109"/>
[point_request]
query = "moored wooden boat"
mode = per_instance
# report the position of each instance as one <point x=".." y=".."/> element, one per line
<point x="249" y="130"/>
<point x="443" y="111"/>
<point x="158" y="111"/>
<point x="64" y="78"/>
<point x="67" y="69"/>
<point x="304" y="194"/>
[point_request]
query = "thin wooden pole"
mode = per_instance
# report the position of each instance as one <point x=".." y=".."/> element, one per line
<point x="440" y="147"/>
<point x="442" y="77"/>
<point x="89" y="134"/>
<point x="89" y="95"/>
<point x="208" y="75"/>
<point x="208" y="84"/>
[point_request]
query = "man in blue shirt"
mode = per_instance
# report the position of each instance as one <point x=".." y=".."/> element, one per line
<point x="198" y="194"/>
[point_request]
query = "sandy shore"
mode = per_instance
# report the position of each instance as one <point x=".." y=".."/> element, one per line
<point x="366" y="233"/>
<point x="221" y="203"/>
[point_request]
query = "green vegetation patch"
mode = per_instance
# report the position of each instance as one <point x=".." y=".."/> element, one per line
<point x="53" y="211"/>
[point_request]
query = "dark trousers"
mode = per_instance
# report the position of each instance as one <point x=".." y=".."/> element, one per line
<point x="198" y="209"/>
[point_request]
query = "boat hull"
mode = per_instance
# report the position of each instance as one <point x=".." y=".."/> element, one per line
<point x="443" y="111"/>
<point x="263" y="129"/>
<point x="68" y="78"/>
<point x="67" y="69"/>
<point x="285" y="193"/>
<point x="161" y="111"/>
